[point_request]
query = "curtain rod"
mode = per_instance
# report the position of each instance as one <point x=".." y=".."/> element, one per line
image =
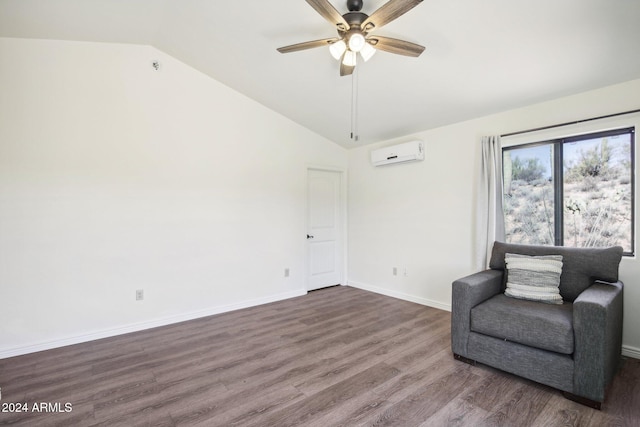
<point x="569" y="123"/>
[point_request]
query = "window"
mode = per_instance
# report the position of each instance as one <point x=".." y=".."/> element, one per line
<point x="574" y="191"/>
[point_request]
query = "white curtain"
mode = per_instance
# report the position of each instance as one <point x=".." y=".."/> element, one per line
<point x="490" y="217"/>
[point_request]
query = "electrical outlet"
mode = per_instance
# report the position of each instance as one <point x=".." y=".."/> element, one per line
<point x="139" y="295"/>
<point x="286" y="272"/>
<point x="395" y="271"/>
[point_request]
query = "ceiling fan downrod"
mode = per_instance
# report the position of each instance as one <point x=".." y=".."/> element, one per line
<point x="354" y="5"/>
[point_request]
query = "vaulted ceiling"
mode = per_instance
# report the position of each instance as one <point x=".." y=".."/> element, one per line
<point x="481" y="57"/>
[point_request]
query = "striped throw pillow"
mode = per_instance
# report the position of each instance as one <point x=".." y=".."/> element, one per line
<point x="535" y="278"/>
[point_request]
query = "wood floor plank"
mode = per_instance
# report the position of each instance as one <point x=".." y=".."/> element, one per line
<point x="458" y="413"/>
<point x="491" y="392"/>
<point x="626" y="389"/>
<point x="240" y="411"/>
<point x="335" y="357"/>
<point x="521" y="407"/>
<point x="162" y="397"/>
<point x="361" y="354"/>
<point x="425" y="402"/>
<point x="353" y="413"/>
<point x="159" y="418"/>
<point x="331" y="398"/>
<point x="48" y="378"/>
<point x="90" y="389"/>
<point x="559" y="412"/>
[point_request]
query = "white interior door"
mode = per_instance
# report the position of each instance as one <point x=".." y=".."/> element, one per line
<point x="324" y="234"/>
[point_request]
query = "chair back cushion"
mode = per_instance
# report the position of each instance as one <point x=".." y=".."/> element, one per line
<point x="580" y="266"/>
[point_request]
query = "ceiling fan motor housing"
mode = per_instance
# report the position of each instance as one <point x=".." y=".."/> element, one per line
<point x="355" y="19"/>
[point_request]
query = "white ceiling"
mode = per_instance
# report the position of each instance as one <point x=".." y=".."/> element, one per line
<point x="481" y="57"/>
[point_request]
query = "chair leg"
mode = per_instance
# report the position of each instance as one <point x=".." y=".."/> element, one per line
<point x="583" y="400"/>
<point x="464" y="359"/>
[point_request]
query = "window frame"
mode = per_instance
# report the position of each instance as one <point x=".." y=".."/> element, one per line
<point x="558" y="175"/>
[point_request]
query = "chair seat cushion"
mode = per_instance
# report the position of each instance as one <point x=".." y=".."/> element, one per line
<point x="539" y="325"/>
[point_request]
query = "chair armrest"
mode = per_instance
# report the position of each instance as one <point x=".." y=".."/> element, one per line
<point x="466" y="293"/>
<point x="597" y="324"/>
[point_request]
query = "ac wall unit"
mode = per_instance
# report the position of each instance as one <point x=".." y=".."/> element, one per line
<point x="407" y="152"/>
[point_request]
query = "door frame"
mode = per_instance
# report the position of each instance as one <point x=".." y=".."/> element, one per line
<point x="343" y="219"/>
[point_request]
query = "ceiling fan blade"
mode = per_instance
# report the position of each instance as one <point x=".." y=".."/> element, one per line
<point x="307" y="45"/>
<point x="328" y="12"/>
<point x="400" y="47"/>
<point x="388" y="12"/>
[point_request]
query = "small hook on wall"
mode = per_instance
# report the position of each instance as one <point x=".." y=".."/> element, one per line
<point x="156" y="65"/>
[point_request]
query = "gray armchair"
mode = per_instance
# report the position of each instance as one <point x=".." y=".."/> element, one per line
<point x="574" y="347"/>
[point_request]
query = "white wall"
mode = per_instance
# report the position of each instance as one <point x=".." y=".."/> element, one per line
<point x="116" y="177"/>
<point x="420" y="216"/>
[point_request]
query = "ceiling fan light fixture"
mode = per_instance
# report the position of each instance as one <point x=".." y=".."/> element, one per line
<point x="337" y="49"/>
<point x="349" y="58"/>
<point x="367" y="52"/>
<point x="356" y="42"/>
<point x="353" y="32"/>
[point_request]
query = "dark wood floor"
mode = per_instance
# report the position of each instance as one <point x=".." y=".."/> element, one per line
<point x="339" y="356"/>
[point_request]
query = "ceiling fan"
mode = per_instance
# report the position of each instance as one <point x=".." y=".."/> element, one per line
<point x="353" y="32"/>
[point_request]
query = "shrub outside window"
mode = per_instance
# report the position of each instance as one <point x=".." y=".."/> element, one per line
<point x="574" y="191"/>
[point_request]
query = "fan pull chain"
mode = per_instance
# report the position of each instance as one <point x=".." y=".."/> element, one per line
<point x="354" y="105"/>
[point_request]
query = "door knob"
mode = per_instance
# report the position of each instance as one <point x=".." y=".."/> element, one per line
<point x="309" y="236"/>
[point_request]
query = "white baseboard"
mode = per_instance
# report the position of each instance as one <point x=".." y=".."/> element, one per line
<point x="633" y="352"/>
<point x="400" y="295"/>
<point x="139" y="326"/>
